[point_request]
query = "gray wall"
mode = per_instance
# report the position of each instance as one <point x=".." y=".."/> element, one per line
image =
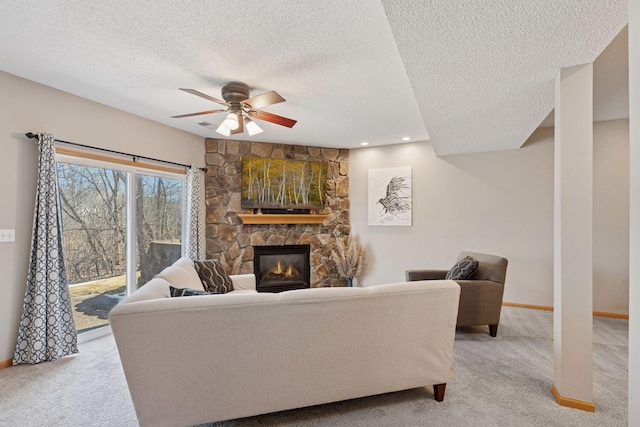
<point x="502" y="203"/>
<point x="27" y="106"/>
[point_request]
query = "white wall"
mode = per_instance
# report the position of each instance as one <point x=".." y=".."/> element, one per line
<point x="30" y="107"/>
<point x="611" y="216"/>
<point x="500" y="203"/>
<point x="634" y="279"/>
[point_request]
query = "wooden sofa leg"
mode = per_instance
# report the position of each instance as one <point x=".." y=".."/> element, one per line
<point x="438" y="391"/>
<point x="493" y="330"/>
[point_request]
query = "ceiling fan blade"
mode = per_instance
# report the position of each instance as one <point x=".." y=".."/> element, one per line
<point x="204" y="95"/>
<point x="259" y="101"/>
<point x="197" y="114"/>
<point x="273" y="118"/>
<point x="240" y="126"/>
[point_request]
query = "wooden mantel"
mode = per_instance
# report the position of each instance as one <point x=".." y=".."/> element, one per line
<point x="282" y="218"/>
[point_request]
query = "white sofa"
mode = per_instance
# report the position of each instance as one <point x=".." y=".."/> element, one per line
<point x="198" y="359"/>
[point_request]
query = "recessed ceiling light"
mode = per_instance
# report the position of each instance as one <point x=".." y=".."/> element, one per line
<point x="406" y="138"/>
<point x="364" y="143"/>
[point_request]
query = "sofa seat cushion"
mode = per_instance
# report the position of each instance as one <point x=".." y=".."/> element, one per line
<point x="244" y="282"/>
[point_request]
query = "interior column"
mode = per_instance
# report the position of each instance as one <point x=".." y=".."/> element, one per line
<point x="634" y="213"/>
<point x="573" y="238"/>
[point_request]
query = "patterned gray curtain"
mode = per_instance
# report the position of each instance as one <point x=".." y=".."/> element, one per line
<point x="192" y="214"/>
<point x="47" y="330"/>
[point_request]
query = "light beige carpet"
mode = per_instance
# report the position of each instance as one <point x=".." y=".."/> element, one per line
<point x="503" y="381"/>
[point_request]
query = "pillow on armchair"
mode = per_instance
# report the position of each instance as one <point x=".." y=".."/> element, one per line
<point x="463" y="269"/>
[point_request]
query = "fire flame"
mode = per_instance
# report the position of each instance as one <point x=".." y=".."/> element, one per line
<point x="289" y="272"/>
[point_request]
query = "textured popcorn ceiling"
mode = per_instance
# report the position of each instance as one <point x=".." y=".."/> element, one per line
<point x="469" y="75"/>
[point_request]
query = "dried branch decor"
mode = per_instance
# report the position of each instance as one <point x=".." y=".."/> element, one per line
<point x="349" y="257"/>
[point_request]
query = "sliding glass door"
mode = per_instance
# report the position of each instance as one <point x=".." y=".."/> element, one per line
<point x="158" y="216"/>
<point x="116" y="235"/>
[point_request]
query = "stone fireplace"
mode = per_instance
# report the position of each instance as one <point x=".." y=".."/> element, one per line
<point x="234" y="243"/>
<point x="282" y="268"/>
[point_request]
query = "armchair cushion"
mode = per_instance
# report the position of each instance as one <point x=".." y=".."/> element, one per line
<point x="463" y="269"/>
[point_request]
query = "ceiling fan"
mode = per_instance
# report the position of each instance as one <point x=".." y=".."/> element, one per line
<point x="242" y="109"/>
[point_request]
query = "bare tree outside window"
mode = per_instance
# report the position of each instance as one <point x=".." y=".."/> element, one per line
<point x="94" y="221"/>
<point x="158" y="224"/>
<point x="93" y="202"/>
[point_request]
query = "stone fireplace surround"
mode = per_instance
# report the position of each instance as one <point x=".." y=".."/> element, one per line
<point x="232" y="242"/>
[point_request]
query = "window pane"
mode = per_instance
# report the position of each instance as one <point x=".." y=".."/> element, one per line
<point x="158" y="224"/>
<point x="94" y="232"/>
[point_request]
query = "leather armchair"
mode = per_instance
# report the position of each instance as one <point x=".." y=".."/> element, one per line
<point x="480" y="295"/>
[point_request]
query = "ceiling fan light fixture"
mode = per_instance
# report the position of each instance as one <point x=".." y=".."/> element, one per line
<point x="223" y="130"/>
<point x="235" y="97"/>
<point x="252" y="127"/>
<point x="231" y="122"/>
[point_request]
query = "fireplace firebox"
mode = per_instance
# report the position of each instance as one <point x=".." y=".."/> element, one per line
<point x="282" y="268"/>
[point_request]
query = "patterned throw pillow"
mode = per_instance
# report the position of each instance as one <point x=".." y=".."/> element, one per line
<point x="187" y="292"/>
<point x="213" y="276"/>
<point x="463" y="269"/>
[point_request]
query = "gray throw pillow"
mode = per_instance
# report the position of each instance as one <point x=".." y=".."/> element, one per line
<point x="213" y="276"/>
<point x="463" y="269"/>
<point x="187" y="292"/>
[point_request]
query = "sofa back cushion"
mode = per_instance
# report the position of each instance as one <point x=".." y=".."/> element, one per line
<point x="182" y="274"/>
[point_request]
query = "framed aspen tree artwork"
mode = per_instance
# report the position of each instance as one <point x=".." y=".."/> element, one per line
<point x="283" y="183"/>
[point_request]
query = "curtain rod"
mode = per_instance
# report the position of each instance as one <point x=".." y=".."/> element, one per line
<point x="134" y="156"/>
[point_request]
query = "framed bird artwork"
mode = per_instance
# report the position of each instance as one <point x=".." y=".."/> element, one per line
<point x="390" y="196"/>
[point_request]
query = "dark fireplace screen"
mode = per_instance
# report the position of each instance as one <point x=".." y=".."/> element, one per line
<point x="281" y="268"/>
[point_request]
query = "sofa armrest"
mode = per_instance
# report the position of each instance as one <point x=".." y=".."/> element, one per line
<point x="244" y="282"/>
<point x="413" y="275"/>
